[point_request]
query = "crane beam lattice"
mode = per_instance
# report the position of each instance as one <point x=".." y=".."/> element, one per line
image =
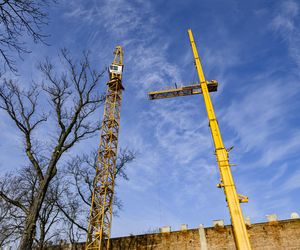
<point x="103" y="186"/>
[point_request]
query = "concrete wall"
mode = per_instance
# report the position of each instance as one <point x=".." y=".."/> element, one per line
<point x="275" y="235"/>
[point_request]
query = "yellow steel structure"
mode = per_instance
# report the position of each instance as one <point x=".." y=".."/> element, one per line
<point x="102" y="198"/>
<point x="232" y="197"/>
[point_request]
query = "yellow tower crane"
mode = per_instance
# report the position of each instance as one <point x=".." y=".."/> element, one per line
<point x="232" y="197"/>
<point x="99" y="226"/>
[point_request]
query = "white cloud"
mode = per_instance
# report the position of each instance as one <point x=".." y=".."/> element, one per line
<point x="286" y="24"/>
<point x="292" y="182"/>
<point x="118" y="17"/>
<point x="256" y="114"/>
<point x="150" y="67"/>
<point x="177" y="131"/>
<point x="281" y="149"/>
<point x="285" y="19"/>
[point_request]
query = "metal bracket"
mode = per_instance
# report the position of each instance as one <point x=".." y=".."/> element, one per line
<point x="243" y="198"/>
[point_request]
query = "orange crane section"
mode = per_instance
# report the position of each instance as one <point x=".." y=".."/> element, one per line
<point x="232" y="197"/>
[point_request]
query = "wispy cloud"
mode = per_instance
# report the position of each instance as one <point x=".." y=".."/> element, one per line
<point x="285" y="23"/>
<point x="176" y="130"/>
<point x="293" y="182"/>
<point x="260" y="114"/>
<point x="280" y="149"/>
<point x="117" y="16"/>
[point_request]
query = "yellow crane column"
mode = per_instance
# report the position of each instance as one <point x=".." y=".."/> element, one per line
<point x="99" y="226"/>
<point x="233" y="200"/>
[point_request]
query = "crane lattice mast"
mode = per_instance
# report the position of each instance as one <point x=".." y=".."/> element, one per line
<point x="232" y="197"/>
<point x="102" y="198"/>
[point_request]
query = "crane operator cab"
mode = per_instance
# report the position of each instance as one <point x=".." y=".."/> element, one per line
<point x="115" y="70"/>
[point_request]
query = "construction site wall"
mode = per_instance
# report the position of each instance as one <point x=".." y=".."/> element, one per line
<point x="275" y="235"/>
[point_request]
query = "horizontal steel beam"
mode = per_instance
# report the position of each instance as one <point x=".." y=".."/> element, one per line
<point x="194" y="89"/>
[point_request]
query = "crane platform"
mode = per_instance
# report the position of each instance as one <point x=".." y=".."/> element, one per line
<point x="193" y="89"/>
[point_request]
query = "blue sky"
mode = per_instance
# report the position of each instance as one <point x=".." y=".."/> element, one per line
<point x="251" y="48"/>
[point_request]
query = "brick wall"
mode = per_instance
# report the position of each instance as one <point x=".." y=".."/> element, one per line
<point x="277" y="235"/>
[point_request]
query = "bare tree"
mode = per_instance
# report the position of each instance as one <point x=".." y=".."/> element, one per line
<point x="22" y="186"/>
<point x="73" y="99"/>
<point x="19" y="18"/>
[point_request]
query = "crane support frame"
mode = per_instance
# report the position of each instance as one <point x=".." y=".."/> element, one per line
<point x="227" y="183"/>
<point x="100" y="219"/>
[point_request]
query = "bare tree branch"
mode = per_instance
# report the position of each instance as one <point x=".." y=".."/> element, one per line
<point x="70" y="218"/>
<point x="12" y="201"/>
<point x="17" y="19"/>
<point x="13" y="101"/>
<point x="82" y="170"/>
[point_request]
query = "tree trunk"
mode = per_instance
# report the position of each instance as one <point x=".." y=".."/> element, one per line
<point x="33" y="212"/>
<point x="30" y="223"/>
